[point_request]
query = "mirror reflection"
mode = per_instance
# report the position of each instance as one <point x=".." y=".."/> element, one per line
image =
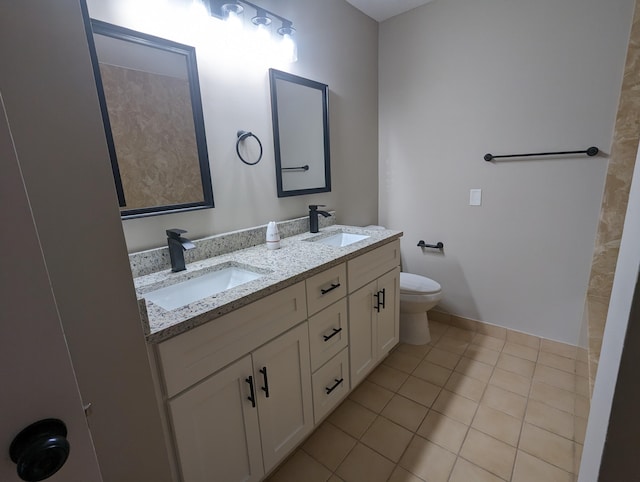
<point x="150" y="100"/>
<point x="300" y="115"/>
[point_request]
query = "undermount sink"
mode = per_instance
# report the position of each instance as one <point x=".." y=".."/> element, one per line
<point x="200" y="287"/>
<point x="340" y="239"/>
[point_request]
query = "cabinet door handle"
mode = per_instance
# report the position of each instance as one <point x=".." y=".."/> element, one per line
<point x="384" y="297"/>
<point x="335" y="385"/>
<point x="265" y="389"/>
<point x="252" y="397"/>
<point x="335" y="332"/>
<point x="333" y="287"/>
<point x="377" y="307"/>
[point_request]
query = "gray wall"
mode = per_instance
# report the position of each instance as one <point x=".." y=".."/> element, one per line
<point x="459" y="79"/>
<point x="47" y="85"/>
<point x="337" y="45"/>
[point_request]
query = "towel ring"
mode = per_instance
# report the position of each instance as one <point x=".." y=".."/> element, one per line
<point x="242" y="135"/>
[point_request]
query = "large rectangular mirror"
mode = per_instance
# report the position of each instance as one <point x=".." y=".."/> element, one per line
<point x="150" y="100"/>
<point x="300" y="113"/>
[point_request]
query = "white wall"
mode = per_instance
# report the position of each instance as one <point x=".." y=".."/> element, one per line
<point x="337" y="45"/>
<point x="460" y="79"/>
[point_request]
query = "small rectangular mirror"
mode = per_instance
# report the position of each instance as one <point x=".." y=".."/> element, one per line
<point x="150" y="99"/>
<point x="300" y="113"/>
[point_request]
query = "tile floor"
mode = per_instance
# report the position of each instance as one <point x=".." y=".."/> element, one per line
<point x="465" y="408"/>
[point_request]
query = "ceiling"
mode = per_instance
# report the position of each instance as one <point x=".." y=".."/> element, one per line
<point x="381" y="10"/>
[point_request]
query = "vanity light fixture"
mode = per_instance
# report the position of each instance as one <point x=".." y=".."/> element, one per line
<point x="231" y="10"/>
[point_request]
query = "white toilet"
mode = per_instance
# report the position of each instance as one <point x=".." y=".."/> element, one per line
<point x="418" y="294"/>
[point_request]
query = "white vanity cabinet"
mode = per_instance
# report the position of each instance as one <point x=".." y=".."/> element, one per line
<point x="215" y="410"/>
<point x="374" y="308"/>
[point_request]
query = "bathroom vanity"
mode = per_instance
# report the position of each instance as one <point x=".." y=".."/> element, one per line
<point x="246" y="374"/>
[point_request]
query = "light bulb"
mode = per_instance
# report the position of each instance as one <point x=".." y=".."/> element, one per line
<point x="288" y="48"/>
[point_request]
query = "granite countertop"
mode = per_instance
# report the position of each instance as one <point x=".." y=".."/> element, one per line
<point x="295" y="261"/>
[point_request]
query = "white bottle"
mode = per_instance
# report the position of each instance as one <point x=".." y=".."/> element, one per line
<point x="273" y="237"/>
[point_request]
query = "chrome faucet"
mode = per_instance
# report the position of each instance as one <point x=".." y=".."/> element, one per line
<point x="177" y="246"/>
<point x="313" y="216"/>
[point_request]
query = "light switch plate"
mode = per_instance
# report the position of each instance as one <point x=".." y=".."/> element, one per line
<point x="475" y="197"/>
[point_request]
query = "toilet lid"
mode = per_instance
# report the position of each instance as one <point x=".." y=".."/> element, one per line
<point x="413" y="284"/>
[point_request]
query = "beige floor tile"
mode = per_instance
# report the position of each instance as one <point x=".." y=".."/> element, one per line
<point x="490" y="454"/>
<point x="419" y="351"/>
<point x="523" y="339"/>
<point x="466" y="386"/>
<point x="419" y="391"/>
<point x="555" y="377"/>
<point x="443" y="431"/>
<point x="456" y="407"/>
<point x="460" y="333"/>
<point x="511" y="381"/>
<point x="554" y="396"/>
<point x="329" y="445"/>
<point x="521" y="351"/>
<point x="353" y="418"/>
<point x="401" y="361"/>
<point x="581" y="406"/>
<point x="428" y="460"/>
<point x="582" y="386"/>
<point x="562" y="349"/>
<point x="579" y="429"/>
<point x="582" y="369"/>
<point x="387" y="438"/>
<point x="301" y="467"/>
<point x="371" y="396"/>
<point x="405" y="412"/>
<point x="505" y="401"/>
<point x="454" y="345"/>
<point x="474" y="369"/>
<point x="464" y="471"/>
<point x="388" y="377"/>
<point x="492" y="330"/>
<point x="547" y="446"/>
<point x="403" y="475"/>
<point x="498" y="424"/>
<point x="443" y="358"/>
<point x="557" y="361"/>
<point x="481" y="354"/>
<point x="487" y="341"/>
<point x="517" y="365"/>
<point x="532" y="469"/>
<point x="549" y="418"/>
<point x="335" y="478"/>
<point x="577" y="458"/>
<point x="432" y="373"/>
<point x="364" y="465"/>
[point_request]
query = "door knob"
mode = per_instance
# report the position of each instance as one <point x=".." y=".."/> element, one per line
<point x="40" y="450"/>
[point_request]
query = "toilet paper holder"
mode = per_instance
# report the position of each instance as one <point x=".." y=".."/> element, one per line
<point x="439" y="245"/>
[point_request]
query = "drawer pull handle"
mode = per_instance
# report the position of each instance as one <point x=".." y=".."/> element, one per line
<point x="335" y="385"/>
<point x="252" y="397"/>
<point x="377" y="307"/>
<point x="380" y="299"/>
<point x="384" y="297"/>
<point x="335" y="332"/>
<point x="265" y="389"/>
<point x="333" y="287"/>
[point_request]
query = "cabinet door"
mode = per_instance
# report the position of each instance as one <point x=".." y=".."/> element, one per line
<point x="387" y="318"/>
<point x="284" y="393"/>
<point x="362" y="355"/>
<point x="216" y="428"/>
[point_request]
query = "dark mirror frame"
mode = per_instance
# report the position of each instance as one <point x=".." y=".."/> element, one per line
<point x="324" y="89"/>
<point x="189" y="52"/>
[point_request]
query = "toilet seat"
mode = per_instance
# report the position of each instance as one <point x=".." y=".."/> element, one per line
<point x="413" y="284"/>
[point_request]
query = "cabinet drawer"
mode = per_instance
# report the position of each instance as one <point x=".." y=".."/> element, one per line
<point x="328" y="333"/>
<point x="330" y="385"/>
<point x="371" y="265"/>
<point x="326" y="288"/>
<point x="196" y="354"/>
